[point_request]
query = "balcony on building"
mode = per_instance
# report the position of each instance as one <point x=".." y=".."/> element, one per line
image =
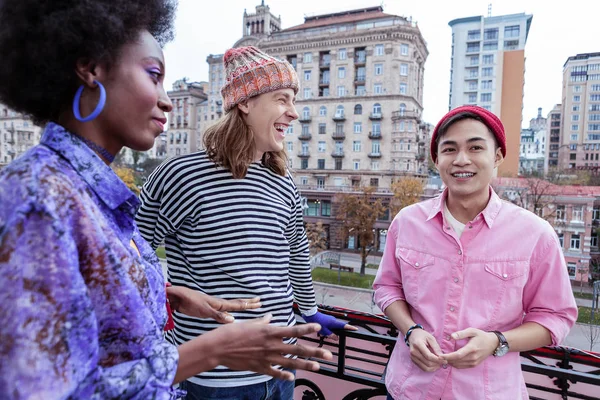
<point x="338" y="154"/>
<point x="375" y="155"/>
<point x="360" y="57"/>
<point x="303" y="154"/>
<point x="305" y="136"/>
<point x="375" y="116"/>
<point x="324" y="82"/>
<point x="304" y="119"/>
<point x="357" y="370"/>
<point x="374" y="135"/>
<point x="338" y="117"/>
<point x="404" y="114"/>
<point x="360" y="79"/>
<point x="338" y="135"/>
<point x="325" y="63"/>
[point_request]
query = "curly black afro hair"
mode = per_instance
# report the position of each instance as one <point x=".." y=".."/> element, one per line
<point x="41" y="41"/>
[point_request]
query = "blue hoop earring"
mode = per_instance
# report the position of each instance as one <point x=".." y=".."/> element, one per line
<point x="98" y="108"/>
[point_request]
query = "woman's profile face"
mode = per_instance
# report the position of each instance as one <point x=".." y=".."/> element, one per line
<point x="136" y="102"/>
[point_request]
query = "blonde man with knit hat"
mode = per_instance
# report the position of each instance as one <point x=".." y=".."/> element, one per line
<point x="232" y="220"/>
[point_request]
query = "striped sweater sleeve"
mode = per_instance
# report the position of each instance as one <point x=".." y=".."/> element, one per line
<point x="300" y="273"/>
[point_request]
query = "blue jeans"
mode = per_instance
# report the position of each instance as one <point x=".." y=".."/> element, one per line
<point x="275" y="389"/>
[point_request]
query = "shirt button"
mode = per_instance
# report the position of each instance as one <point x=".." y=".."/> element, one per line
<point x="448" y="337"/>
<point x="416" y="264"/>
<point x="470" y="226"/>
<point x="445" y="366"/>
<point x="460" y="252"/>
<point x="451" y="308"/>
<point x="505" y="276"/>
<point x="447" y="228"/>
<point x="455" y="280"/>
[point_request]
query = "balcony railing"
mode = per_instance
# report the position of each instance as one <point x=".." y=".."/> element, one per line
<point x="338" y="135"/>
<point x="360" y="79"/>
<point x="338" y="154"/>
<point x="360" y="358"/>
<point x="374" y="135"/>
<point x="305" y="136"/>
<point x="405" y="114"/>
<point x="339" y="117"/>
<point x="304" y="118"/>
<point x="375" y="116"/>
<point x="303" y="154"/>
<point x="375" y="155"/>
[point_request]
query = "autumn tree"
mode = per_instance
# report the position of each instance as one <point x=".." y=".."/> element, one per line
<point x="406" y="191"/>
<point x="533" y="194"/>
<point x="358" y="213"/>
<point x="127" y="176"/>
<point x="317" y="238"/>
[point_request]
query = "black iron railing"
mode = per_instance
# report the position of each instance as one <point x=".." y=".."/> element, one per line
<point x="361" y="358"/>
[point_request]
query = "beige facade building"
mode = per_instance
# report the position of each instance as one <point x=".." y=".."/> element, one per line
<point x="361" y="95"/>
<point x="488" y="70"/>
<point x="580" y="125"/>
<point x="17" y="134"/>
<point x="182" y="135"/>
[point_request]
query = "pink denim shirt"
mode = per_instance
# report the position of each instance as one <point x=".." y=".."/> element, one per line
<point x="506" y="269"/>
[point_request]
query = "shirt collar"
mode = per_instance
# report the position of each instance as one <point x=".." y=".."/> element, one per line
<point x="100" y="177"/>
<point x="489" y="213"/>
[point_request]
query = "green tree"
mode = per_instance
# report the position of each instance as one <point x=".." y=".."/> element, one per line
<point x="358" y="213"/>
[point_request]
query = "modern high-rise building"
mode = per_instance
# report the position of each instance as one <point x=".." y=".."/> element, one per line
<point x="553" y="131"/>
<point x="488" y="69"/>
<point x="580" y="127"/>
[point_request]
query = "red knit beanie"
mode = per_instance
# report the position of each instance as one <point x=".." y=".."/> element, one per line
<point x="249" y="72"/>
<point x="489" y="119"/>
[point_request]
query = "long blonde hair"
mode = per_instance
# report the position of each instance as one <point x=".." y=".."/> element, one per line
<point x="230" y="143"/>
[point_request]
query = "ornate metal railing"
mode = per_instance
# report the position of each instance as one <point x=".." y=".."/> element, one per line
<point x="358" y="368"/>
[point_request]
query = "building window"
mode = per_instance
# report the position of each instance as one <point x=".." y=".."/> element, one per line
<point x="486" y="85"/>
<point x="575" y="239"/>
<point x="304" y="163"/>
<point x="341" y="54"/>
<point x="576" y="98"/>
<point x="404" y="69"/>
<point x="341" y="91"/>
<point x="356" y="146"/>
<point x="357" y="109"/>
<point x="487" y="71"/>
<point x="307" y="75"/>
<point x="307" y="58"/>
<point x="356" y="165"/>
<point x="360" y="90"/>
<point x="576" y="108"/>
<point x="376" y="109"/>
<point x="574" y="136"/>
<point x="596" y="213"/>
<point x="472" y="98"/>
<point x="560" y="213"/>
<point x="577" y="214"/>
<point x="403" y="88"/>
<point x="307" y="93"/>
<point x="374" y="165"/>
<point x="575" y="127"/>
<point x="474" y="60"/>
<point x="322" y="147"/>
<point x="376" y="147"/>
<point x="378" y="69"/>
<point x="490" y="34"/>
<point x="474" y="35"/>
<point x="561" y="240"/>
<point x="341" y="72"/>
<point x="511" y="44"/>
<point x="594" y="240"/>
<point x="378" y="88"/>
<point x="290" y="146"/>
<point x="572" y="269"/>
<point x="358" y="127"/>
<point x="404" y="49"/>
<point x="486" y="97"/>
<point x="472" y="47"/>
<point x="487" y="46"/>
<point x="305" y="129"/>
<point x="323" y="111"/>
<point x="339" y="111"/>
<point x="321" y="163"/>
<point x="378" y="49"/>
<point x="488" y="59"/>
<point x="322" y="128"/>
<point x="325" y="208"/>
<point x="511" y="31"/>
<point x="304" y="180"/>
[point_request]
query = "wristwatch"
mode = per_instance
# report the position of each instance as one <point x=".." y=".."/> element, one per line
<point x="502" y="348"/>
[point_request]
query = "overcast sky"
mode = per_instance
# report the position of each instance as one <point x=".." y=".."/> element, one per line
<point x="557" y="32"/>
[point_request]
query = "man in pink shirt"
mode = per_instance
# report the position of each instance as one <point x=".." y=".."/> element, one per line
<point x="468" y="279"/>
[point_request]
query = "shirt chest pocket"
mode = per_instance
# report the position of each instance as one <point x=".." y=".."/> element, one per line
<point x="500" y="286"/>
<point x="416" y="269"/>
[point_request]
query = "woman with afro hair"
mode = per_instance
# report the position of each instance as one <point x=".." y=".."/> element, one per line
<point x="82" y="295"/>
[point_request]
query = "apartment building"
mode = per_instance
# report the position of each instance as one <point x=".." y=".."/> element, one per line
<point x="553" y="122"/>
<point x="488" y="68"/>
<point x="182" y="135"/>
<point x="532" y="154"/>
<point x="580" y="124"/>
<point x="573" y="211"/>
<point x="17" y="134"/>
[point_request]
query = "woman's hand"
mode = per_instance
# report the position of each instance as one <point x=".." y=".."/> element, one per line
<point x="197" y="304"/>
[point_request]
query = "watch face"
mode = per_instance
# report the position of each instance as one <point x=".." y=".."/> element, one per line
<point x="501" y="350"/>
